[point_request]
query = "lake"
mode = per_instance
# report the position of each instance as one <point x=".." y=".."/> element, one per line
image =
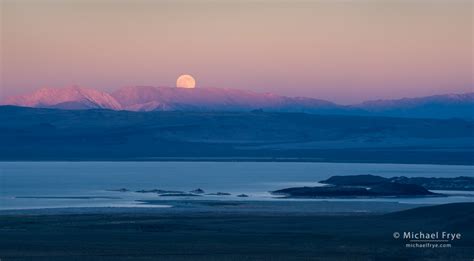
<point x="27" y="185"/>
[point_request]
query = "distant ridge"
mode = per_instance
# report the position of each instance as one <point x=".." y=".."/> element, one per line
<point x="438" y="106"/>
<point x="69" y="98"/>
<point x="148" y="98"/>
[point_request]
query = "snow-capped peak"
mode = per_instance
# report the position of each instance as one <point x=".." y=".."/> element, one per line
<point x="69" y="97"/>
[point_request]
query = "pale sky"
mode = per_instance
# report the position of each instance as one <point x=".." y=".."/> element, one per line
<point x="342" y="51"/>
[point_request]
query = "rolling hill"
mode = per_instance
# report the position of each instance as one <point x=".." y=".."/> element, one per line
<point x="33" y="133"/>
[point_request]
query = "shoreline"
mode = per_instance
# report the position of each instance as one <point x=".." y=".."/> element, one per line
<point x="234" y="159"/>
<point x="186" y="207"/>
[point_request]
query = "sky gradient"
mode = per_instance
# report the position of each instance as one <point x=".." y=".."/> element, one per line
<point x="343" y="51"/>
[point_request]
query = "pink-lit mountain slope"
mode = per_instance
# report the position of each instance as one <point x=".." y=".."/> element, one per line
<point x="145" y="98"/>
<point x="72" y="98"/>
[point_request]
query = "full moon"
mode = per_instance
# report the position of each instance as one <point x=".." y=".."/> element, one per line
<point x="185" y="81"/>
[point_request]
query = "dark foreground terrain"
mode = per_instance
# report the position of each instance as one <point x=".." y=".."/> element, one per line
<point x="234" y="236"/>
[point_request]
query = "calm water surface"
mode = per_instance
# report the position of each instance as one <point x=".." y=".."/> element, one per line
<point x="84" y="184"/>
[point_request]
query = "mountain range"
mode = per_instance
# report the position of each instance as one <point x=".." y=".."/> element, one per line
<point x="147" y="98"/>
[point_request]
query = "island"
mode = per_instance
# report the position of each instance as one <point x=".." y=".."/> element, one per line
<point x="372" y="186"/>
<point x="119" y="190"/>
<point x="457" y="183"/>
<point x="219" y="194"/>
<point x="159" y="191"/>
<point x="197" y="191"/>
<point x="179" y="195"/>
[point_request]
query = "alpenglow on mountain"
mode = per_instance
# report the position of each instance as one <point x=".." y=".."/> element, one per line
<point x="147" y="98"/>
<point x="70" y="98"/>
